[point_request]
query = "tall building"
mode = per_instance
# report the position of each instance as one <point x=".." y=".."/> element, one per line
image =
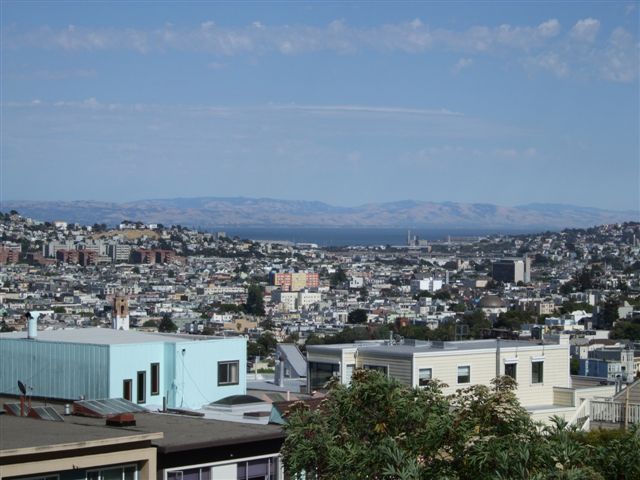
<point x="512" y="270"/>
<point x="120" y="319"/>
<point x="293" y="282"/>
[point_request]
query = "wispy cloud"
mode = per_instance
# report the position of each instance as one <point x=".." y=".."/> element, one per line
<point x="413" y="37"/>
<point x="585" y="30"/>
<point x="461" y="64"/>
<point x="543" y="44"/>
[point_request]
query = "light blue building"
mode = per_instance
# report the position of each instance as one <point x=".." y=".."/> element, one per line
<point x="189" y="371"/>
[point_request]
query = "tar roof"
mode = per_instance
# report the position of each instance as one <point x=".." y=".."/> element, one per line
<point x="102" y="336"/>
<point x="179" y="432"/>
<point x="24" y="432"/>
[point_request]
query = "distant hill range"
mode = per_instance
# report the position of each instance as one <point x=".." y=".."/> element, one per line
<point x="210" y="212"/>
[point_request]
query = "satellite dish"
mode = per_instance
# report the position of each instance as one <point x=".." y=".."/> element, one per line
<point x="22" y="388"/>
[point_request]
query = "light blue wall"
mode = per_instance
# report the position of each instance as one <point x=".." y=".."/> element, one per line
<point x="127" y="360"/>
<point x="69" y="370"/>
<point x="54" y="369"/>
<point x="196" y="371"/>
<point x="188" y="380"/>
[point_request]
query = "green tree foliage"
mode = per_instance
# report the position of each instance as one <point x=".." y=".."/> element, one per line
<point x="167" y="325"/>
<point x="357" y="316"/>
<point x="626" y="329"/>
<point x="150" y="324"/>
<point x="255" y="301"/>
<point x="338" y="277"/>
<point x="610" y="312"/>
<point x="376" y="428"/>
<point x="513" y="319"/>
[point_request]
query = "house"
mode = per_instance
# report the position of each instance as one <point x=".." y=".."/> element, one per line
<point x="540" y="368"/>
<point x="150" y="369"/>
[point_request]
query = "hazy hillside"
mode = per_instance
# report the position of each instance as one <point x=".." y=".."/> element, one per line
<point x="217" y="212"/>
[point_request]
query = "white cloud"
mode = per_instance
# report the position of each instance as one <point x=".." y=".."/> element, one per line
<point x="461" y="64"/>
<point x="621" y="57"/>
<point x="412" y="36"/>
<point x="550" y="28"/>
<point x="540" y="46"/>
<point x="549" y="61"/>
<point x="366" y="109"/>
<point x="585" y="30"/>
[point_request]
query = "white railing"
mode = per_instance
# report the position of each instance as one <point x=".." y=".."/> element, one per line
<point x="614" y="412"/>
<point x="581" y="418"/>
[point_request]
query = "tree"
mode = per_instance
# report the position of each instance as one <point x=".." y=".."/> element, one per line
<point x="358" y="315"/>
<point x="150" y="324"/>
<point x="338" y="277"/>
<point x="167" y="325"/>
<point x="376" y="428"/>
<point x="255" y="301"/>
<point x="610" y="312"/>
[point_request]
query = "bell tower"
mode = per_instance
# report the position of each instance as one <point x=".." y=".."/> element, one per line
<point x="120" y="316"/>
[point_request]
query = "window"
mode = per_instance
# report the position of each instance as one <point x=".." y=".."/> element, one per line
<point x="191" y="474"/>
<point x="379" y="368"/>
<point x="349" y="372"/>
<point x="121" y="472"/>
<point x="155" y="379"/>
<point x="141" y="395"/>
<point x="424" y="376"/>
<point x="261" y="469"/>
<point x="464" y="374"/>
<point x="229" y="373"/>
<point x="126" y="389"/>
<point x="510" y="370"/>
<point x="320" y="373"/>
<point x="537" y="372"/>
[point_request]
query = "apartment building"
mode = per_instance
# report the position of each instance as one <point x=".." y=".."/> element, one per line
<point x="540" y="368"/>
<point x="293" y="282"/>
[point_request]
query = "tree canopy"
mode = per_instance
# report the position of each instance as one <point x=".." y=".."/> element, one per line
<point x="255" y="301"/>
<point x="376" y="428"/>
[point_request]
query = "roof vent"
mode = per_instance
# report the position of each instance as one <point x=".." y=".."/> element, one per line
<point x="122" y="420"/>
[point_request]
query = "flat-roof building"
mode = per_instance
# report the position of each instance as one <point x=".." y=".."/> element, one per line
<point x="93" y="363"/>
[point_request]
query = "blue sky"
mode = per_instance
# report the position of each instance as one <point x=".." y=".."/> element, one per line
<point x="346" y="103"/>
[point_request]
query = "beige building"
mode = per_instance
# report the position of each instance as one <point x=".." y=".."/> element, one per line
<point x="541" y="369"/>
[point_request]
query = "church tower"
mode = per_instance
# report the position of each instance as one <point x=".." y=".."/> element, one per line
<point x="120" y="316"/>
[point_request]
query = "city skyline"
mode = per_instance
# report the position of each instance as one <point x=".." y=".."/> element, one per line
<point x="347" y="104"/>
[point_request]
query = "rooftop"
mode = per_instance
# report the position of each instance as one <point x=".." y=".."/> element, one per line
<point x="105" y="336"/>
<point x="426" y="347"/>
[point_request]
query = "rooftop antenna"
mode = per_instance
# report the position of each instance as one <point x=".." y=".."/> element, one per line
<point x="23" y="390"/>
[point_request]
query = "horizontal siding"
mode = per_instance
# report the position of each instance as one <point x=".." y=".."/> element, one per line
<point x="324" y="357"/>
<point x="445" y="369"/>
<point x="54" y="369"/>
<point x="483" y="370"/>
<point x="398" y="368"/>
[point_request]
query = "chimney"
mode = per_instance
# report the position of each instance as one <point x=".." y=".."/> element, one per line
<point x="32" y="327"/>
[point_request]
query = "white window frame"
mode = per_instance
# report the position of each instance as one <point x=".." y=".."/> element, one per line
<point x="458" y="374"/>
<point x="111" y="467"/>
<point x="537" y="360"/>
<point x="276" y="456"/>
<point x="430" y="376"/>
<point x="228" y="383"/>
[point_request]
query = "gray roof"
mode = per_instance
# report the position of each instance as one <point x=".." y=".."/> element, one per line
<point x="105" y="336"/>
<point x="18" y="433"/>
<point x="180" y="432"/>
<point x="294" y="358"/>
<point x="435" y="347"/>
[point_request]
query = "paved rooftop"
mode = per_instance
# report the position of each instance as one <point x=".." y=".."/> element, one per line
<point x="106" y="336"/>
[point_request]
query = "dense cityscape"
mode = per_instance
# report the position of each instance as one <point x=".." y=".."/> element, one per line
<point x="319" y="240"/>
<point x="290" y="314"/>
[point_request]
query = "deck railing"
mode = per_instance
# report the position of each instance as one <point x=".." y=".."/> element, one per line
<point x="614" y="412"/>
